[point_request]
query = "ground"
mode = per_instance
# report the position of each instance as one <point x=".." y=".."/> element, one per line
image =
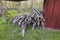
<point x="9" y="31"/>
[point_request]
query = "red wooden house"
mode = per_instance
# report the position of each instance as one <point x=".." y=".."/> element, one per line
<point x="52" y="14"/>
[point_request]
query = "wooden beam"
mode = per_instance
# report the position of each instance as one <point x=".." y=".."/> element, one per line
<point x="2" y="11"/>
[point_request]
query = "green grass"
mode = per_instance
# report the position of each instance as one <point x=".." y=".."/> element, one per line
<point x="10" y="31"/>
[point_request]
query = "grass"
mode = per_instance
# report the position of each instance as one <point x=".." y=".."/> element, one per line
<point x="10" y="31"/>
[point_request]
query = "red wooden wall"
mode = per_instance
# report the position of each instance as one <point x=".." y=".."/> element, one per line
<point x="52" y="14"/>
